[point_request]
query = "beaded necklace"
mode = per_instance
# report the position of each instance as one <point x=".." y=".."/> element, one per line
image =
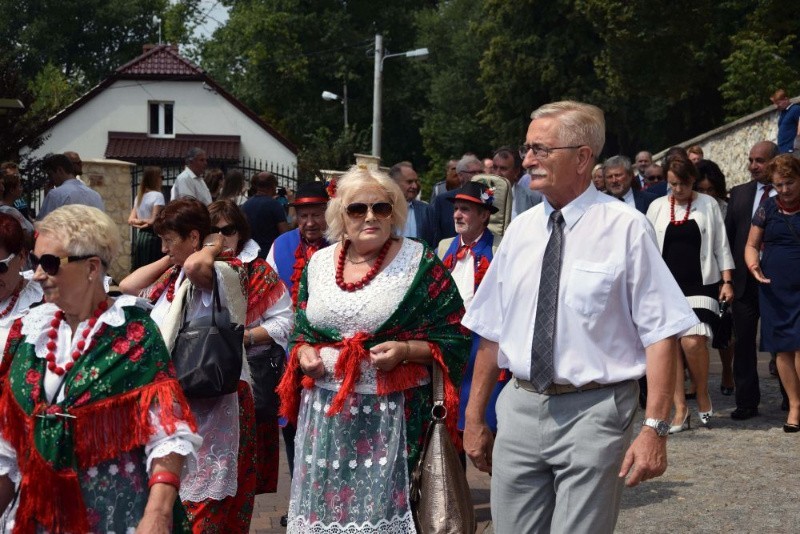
<point x="14" y="299"/>
<point x="672" y="212"/>
<point x="80" y="346"/>
<point x="367" y="278"/>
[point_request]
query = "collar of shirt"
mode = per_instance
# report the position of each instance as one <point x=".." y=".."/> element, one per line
<point x="573" y="211"/>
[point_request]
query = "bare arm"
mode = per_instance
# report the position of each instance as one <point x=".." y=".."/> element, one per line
<point x="751" y="253"/>
<point x="389" y="354"/>
<point x="132" y="218"/>
<point x="199" y="266"/>
<point x="145" y="223"/>
<point x="144" y="276"/>
<point x="478" y="438"/>
<point x="157" y="516"/>
<point x="646" y="458"/>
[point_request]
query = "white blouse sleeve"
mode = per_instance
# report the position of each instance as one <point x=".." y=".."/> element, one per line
<point x="8" y="461"/>
<point x="183" y="442"/>
<point x="278" y="320"/>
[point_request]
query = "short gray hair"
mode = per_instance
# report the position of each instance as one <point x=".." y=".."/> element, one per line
<point x="83" y="230"/>
<point x="579" y="123"/>
<point x="615" y="162"/>
<point x="465" y="162"/>
<point x="396" y="172"/>
<point x="193" y="153"/>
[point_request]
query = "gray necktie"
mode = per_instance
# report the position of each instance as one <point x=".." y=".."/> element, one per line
<point x="544" y="329"/>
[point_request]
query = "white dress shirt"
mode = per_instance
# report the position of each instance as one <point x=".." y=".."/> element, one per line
<point x="188" y="184"/>
<point x="463" y="274"/>
<point x="616" y="295"/>
<point x="411" y="222"/>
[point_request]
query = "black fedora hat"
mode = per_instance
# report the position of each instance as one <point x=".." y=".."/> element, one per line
<point x="477" y="193"/>
<point x="310" y="193"/>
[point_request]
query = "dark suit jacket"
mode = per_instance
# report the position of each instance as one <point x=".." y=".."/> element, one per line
<point x="659" y="189"/>
<point x="737" y="225"/>
<point x="443" y="215"/>
<point x="426" y="227"/>
<point x="642" y="200"/>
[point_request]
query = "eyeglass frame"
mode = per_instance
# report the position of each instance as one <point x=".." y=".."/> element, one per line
<point x="546" y="151"/>
<point x="36" y="261"/>
<point x="4" y="263"/>
<point x="227" y="230"/>
<point x="369" y="208"/>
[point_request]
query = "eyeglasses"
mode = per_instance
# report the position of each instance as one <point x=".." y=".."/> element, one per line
<point x="358" y="210"/>
<point x="50" y="263"/>
<point x="4" y="263"/>
<point x="541" y="151"/>
<point x="227" y="231"/>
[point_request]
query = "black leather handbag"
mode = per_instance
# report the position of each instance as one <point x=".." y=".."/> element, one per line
<point x="208" y="353"/>
<point x="266" y="369"/>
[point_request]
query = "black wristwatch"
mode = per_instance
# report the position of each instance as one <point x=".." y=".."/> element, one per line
<point x="661" y="427"/>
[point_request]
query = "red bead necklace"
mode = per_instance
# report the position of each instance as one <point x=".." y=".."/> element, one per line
<point x="372" y="273"/>
<point x="788" y="208"/>
<point x="672" y="211"/>
<point x="14" y="299"/>
<point x="171" y="286"/>
<point x="80" y="346"/>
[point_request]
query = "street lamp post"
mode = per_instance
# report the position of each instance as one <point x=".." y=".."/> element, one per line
<point x="327" y="95"/>
<point x="377" y="98"/>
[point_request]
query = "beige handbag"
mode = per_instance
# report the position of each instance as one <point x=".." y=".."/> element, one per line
<point x="440" y="496"/>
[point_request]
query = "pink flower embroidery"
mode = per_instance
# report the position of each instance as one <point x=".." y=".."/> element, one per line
<point x="121" y="345"/>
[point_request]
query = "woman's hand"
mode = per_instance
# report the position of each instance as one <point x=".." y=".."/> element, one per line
<point x="155" y="523"/>
<point x="389" y="354"/>
<point x="311" y="362"/>
<point x="726" y="293"/>
<point x="755" y="270"/>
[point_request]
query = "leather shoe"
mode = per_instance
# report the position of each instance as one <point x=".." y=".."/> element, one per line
<point x="740" y="414"/>
<point x="791" y="428"/>
<point x="725" y="390"/>
<point x="284" y="520"/>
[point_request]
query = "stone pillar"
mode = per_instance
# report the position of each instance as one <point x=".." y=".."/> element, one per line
<point x="113" y="179"/>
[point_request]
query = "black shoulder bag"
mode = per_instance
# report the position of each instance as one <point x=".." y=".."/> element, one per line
<point x="208" y="352"/>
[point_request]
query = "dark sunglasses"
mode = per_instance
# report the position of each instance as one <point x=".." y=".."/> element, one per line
<point x="4" y="263"/>
<point x="50" y="264"/>
<point x="225" y="230"/>
<point x="358" y="210"/>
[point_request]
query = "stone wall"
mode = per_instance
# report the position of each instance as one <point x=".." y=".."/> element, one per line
<point x="729" y="145"/>
<point x="112" y="179"/>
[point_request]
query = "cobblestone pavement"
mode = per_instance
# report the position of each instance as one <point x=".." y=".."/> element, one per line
<point x="736" y="476"/>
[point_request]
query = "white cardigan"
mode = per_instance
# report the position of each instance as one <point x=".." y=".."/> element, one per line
<point x="715" y="254"/>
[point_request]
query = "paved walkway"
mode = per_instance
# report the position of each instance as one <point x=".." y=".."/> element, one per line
<point x="737" y="476"/>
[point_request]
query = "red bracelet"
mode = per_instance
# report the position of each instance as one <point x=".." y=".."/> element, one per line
<point x="165" y="477"/>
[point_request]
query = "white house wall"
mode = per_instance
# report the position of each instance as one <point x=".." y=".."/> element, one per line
<point x="122" y="107"/>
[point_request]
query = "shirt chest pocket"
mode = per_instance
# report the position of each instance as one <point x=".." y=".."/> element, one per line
<point x="588" y="286"/>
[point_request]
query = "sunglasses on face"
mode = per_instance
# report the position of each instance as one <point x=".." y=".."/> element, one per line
<point x="227" y="231"/>
<point x="50" y="263"/>
<point x="4" y="263"/>
<point x="358" y="210"/>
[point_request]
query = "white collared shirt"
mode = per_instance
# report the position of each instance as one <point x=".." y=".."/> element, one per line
<point x="757" y="200"/>
<point x="411" y="222"/>
<point x="628" y="198"/>
<point x="463" y="274"/>
<point x="616" y="294"/>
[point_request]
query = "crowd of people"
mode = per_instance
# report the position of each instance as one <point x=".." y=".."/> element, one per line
<point x="370" y="291"/>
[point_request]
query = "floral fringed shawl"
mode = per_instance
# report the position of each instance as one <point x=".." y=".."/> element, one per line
<point x="431" y="311"/>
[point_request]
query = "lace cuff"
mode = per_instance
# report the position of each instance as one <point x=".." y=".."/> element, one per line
<point x="183" y="442"/>
<point x="8" y="461"/>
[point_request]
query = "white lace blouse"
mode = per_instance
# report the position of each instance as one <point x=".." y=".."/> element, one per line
<point x="364" y="310"/>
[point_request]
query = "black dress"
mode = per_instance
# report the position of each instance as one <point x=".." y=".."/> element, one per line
<point x="681" y="253"/>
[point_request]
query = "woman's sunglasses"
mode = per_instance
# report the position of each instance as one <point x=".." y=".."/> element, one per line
<point x="4" y="263"/>
<point x="227" y="231"/>
<point x="358" y="210"/>
<point x="50" y="264"/>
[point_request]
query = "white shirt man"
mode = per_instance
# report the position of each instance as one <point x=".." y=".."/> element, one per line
<point x="190" y="182"/>
<point x="617" y="311"/>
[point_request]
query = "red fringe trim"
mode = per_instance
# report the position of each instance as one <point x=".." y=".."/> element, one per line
<point x="258" y="304"/>
<point x="348" y="369"/>
<point x="106" y="428"/>
<point x="103" y="430"/>
<point x="48" y="498"/>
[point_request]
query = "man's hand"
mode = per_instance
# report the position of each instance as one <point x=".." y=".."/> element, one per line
<point x="646" y="458"/>
<point x="478" y="444"/>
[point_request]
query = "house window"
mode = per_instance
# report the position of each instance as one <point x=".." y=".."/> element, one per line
<point x="161" y="122"/>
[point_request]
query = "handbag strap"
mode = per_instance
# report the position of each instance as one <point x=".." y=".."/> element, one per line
<point x="216" y="301"/>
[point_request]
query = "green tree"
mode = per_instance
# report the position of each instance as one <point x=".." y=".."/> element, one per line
<point x="51" y="92"/>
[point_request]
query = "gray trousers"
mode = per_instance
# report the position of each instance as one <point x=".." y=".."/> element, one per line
<point x="556" y="459"/>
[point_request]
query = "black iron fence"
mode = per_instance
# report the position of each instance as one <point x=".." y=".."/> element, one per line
<point x="287" y="176"/>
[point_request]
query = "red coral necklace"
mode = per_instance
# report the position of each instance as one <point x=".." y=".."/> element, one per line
<point x="786" y="208"/>
<point x="14" y="299"/>
<point x="672" y="211"/>
<point x="372" y="273"/>
<point x="81" y="345"/>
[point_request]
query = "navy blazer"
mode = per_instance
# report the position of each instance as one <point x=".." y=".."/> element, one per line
<point x="426" y="227"/>
<point x="659" y="189"/>
<point x="443" y="215"/>
<point x="642" y="200"/>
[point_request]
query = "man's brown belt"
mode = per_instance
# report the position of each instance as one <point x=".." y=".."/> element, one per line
<point x="560" y="389"/>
